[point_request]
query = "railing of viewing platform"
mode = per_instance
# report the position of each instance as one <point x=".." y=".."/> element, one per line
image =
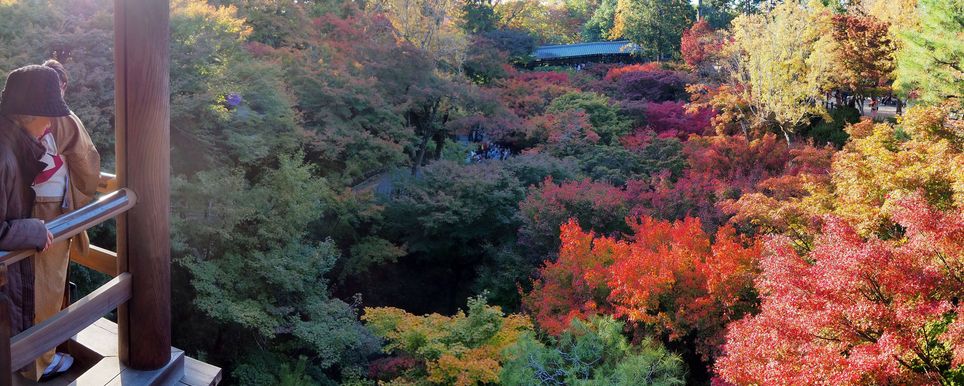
<point x="22" y="349"/>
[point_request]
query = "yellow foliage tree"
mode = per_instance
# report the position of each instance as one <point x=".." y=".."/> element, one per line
<point x="879" y="165"/>
<point x="225" y="17"/>
<point x="883" y="162"/>
<point x="784" y="58"/>
<point x="463" y="349"/>
<point x="550" y="22"/>
<point x="431" y="25"/>
<point x="899" y="14"/>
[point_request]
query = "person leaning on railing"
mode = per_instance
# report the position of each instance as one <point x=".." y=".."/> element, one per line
<point x="30" y="98"/>
<point x="67" y="183"/>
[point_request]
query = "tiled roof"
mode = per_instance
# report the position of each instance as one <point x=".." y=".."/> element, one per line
<point x="584" y="49"/>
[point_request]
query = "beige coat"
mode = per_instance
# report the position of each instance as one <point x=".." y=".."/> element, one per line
<point x="50" y="266"/>
<point x="83" y="168"/>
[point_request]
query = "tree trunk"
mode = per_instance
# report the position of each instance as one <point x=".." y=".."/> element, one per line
<point x="424" y="122"/>
<point x="439" y="139"/>
<point x="420" y="155"/>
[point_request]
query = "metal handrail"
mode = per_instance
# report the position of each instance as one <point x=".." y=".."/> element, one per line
<point x="70" y="224"/>
<point x="45" y="336"/>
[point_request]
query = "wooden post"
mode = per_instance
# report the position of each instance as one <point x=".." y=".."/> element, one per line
<point x="142" y="93"/>
<point x="6" y="372"/>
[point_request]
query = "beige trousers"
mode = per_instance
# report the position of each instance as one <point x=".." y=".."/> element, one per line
<point x="50" y="279"/>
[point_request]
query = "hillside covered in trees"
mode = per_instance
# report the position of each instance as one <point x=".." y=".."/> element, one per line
<point x="380" y="192"/>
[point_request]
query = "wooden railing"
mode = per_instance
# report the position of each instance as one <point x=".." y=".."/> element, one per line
<point x="20" y="350"/>
<point x="97" y="258"/>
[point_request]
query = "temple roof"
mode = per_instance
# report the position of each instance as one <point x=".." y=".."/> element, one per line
<point x="563" y="51"/>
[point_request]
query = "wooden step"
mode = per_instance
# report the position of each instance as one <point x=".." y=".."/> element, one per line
<point x="197" y="373"/>
<point x="110" y="371"/>
<point x="97" y="364"/>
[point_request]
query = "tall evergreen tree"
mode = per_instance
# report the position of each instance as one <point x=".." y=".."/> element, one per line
<point x="931" y="64"/>
<point x="655" y="25"/>
<point x="601" y="22"/>
<point x="478" y="16"/>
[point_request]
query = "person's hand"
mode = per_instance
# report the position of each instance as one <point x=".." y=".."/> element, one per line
<point x="50" y="241"/>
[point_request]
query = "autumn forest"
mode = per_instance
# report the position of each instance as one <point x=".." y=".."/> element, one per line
<point x="395" y="192"/>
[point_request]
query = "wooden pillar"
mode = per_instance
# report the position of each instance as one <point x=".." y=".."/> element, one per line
<point x="6" y="373"/>
<point x="142" y="120"/>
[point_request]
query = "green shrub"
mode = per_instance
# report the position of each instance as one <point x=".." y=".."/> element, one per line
<point x="823" y="132"/>
<point x="590" y="353"/>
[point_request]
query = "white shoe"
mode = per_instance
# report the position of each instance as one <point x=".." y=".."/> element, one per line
<point x="59" y="365"/>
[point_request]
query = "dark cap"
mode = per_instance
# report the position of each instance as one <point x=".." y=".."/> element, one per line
<point x="33" y="90"/>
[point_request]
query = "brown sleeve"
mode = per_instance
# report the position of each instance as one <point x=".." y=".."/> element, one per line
<point x="21" y="233"/>
<point x="83" y="160"/>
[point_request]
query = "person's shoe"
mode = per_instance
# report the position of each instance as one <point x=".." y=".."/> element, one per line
<point x="58" y="366"/>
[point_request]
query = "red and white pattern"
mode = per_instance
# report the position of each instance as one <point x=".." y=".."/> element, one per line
<point x="52" y="182"/>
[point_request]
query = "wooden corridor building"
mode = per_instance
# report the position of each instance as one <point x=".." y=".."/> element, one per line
<point x="137" y="349"/>
<point x="617" y="51"/>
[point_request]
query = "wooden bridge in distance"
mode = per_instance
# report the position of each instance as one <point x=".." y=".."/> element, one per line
<point x="137" y="349"/>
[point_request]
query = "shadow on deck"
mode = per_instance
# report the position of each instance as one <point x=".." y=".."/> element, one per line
<point x="95" y="351"/>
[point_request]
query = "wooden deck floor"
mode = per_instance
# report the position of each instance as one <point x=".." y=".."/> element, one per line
<point x="97" y="364"/>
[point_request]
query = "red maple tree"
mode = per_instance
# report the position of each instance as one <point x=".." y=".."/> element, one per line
<point x="856" y="311"/>
<point x="700" y="44"/>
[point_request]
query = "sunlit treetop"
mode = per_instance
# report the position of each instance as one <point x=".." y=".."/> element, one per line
<point x="857" y="311"/>
<point x="783" y="57"/>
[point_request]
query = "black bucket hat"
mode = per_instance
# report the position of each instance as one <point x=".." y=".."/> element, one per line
<point x="33" y="90"/>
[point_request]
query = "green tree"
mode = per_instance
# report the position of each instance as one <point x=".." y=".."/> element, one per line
<point x="603" y="115"/>
<point x="351" y="106"/>
<point x="249" y="271"/>
<point x="478" y="16"/>
<point x="719" y="13"/>
<point x="617" y="165"/>
<point x="450" y="218"/>
<point x="457" y="224"/>
<point x="655" y="25"/>
<point x="256" y="276"/>
<point x="274" y="23"/>
<point x="226" y="107"/>
<point x="79" y="34"/>
<point x="600" y="23"/>
<point x="593" y="353"/>
<point x="931" y="63"/>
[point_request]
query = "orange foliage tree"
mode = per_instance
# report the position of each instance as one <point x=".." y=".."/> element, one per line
<point x="670" y="277"/>
<point x="866" y="54"/>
